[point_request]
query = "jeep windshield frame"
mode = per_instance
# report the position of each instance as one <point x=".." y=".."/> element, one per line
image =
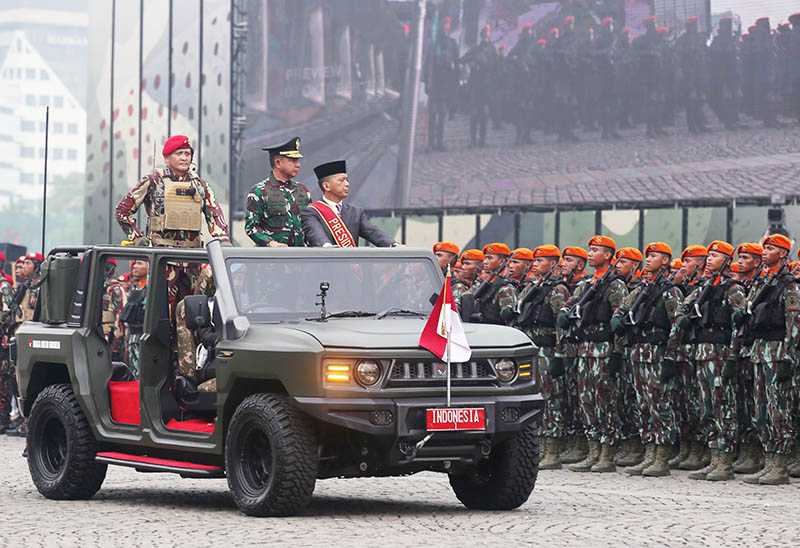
<point x="282" y="285"/>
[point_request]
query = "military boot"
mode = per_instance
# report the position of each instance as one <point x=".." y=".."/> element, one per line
<point x="660" y="466"/>
<point x="682" y="455"/>
<point x="694" y="461"/>
<point x="724" y="469"/>
<point x="606" y="461"/>
<point x="577" y="450"/>
<point x="748" y="462"/>
<point x="778" y="474"/>
<point x="649" y="458"/>
<point x="591" y="458"/>
<point x="752" y="479"/>
<point x="622" y="452"/>
<point x="703" y="472"/>
<point x="793" y="465"/>
<point x="633" y="455"/>
<point x="550" y="460"/>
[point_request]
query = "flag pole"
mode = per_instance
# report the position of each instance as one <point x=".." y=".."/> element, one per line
<point x="449" y="329"/>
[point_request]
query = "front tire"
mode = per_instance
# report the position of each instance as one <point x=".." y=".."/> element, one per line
<point x="62" y="448"/>
<point x="270" y="457"/>
<point x="506" y="479"/>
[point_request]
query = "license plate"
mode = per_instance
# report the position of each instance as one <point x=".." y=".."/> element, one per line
<point x="448" y="419"/>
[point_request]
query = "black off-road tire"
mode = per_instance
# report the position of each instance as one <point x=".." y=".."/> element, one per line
<point x="61" y="447"/>
<point x="270" y="457"/>
<point x="506" y="479"/>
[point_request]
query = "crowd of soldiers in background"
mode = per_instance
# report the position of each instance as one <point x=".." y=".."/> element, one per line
<point x="19" y="293"/>
<point x="650" y="362"/>
<point x="592" y="75"/>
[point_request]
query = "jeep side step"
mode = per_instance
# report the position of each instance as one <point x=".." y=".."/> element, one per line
<point x="144" y="463"/>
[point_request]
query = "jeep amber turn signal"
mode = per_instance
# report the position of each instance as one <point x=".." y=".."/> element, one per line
<point x="338" y="372"/>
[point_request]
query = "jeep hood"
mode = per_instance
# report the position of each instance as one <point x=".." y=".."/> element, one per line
<point x="370" y="333"/>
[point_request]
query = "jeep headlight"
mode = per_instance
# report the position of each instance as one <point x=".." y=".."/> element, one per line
<point x="368" y="372"/>
<point x="506" y="370"/>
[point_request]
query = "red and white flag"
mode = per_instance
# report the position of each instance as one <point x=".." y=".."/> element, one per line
<point x="444" y="328"/>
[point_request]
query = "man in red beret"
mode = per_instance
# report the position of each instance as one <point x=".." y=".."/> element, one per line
<point x="176" y="201"/>
<point x="774" y="325"/>
<point x="589" y="313"/>
<point x="493" y="298"/>
<point x="446" y="253"/>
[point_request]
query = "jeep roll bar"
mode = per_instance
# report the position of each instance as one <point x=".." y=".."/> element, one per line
<point x="234" y="325"/>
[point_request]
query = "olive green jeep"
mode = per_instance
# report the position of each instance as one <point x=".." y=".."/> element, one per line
<point x="313" y="364"/>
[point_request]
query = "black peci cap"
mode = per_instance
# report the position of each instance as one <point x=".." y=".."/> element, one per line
<point x="330" y="168"/>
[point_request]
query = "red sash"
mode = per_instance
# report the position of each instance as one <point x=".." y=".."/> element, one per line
<point x="335" y="225"/>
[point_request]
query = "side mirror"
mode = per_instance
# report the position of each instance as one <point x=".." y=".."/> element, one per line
<point x="198" y="315"/>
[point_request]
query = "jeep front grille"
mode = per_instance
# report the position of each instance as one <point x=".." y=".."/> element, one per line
<point x="433" y="373"/>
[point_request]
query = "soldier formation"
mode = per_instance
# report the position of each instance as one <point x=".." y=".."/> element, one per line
<point x="590" y="74"/>
<point x="648" y="362"/>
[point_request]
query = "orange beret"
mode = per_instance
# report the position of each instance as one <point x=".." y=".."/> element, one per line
<point x="578" y="252"/>
<point x="522" y="254"/>
<point x="548" y="251"/>
<point x="694" y="250"/>
<point x="779" y="240"/>
<point x="496" y="249"/>
<point x="603" y="241"/>
<point x="676" y="264"/>
<point x="658" y="247"/>
<point x="751" y="248"/>
<point x="472" y="255"/>
<point x="448" y="247"/>
<point x="721" y="247"/>
<point x="630" y="253"/>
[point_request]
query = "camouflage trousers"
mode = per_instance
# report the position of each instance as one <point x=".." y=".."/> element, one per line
<point x="745" y="402"/>
<point x="554" y="394"/>
<point x="629" y="404"/>
<point x="687" y="403"/>
<point x="597" y="391"/>
<point x="8" y="388"/>
<point x="572" y="404"/>
<point x="134" y="353"/>
<point x="657" y="411"/>
<point x="718" y="396"/>
<point x="186" y="344"/>
<point x="773" y="406"/>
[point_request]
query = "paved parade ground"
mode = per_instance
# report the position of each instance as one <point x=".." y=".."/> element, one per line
<point x="566" y="509"/>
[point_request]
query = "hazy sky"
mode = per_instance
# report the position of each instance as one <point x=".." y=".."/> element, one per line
<point x="749" y="10"/>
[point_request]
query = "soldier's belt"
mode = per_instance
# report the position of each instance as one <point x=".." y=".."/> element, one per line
<point x="160" y="241"/>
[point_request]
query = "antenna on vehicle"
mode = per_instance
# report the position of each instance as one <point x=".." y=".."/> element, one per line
<point x="44" y="189"/>
<point x="323" y="293"/>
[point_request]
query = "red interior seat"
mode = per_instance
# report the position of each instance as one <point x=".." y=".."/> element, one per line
<point x="191" y="425"/>
<point x="124" y="396"/>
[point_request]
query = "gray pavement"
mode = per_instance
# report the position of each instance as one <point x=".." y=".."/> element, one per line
<point x="566" y="509"/>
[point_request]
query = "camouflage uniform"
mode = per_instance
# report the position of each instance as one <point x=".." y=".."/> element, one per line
<point x="459" y="287"/>
<point x="630" y="386"/>
<point x="273" y="212"/>
<point x="686" y="399"/>
<point x="501" y="301"/>
<point x="186" y="341"/>
<point x="774" y="354"/>
<point x="150" y="192"/>
<point x="7" y="381"/>
<point x="597" y="386"/>
<point x="568" y="348"/>
<point x="132" y="318"/>
<point x="711" y="339"/>
<point x="114" y="299"/>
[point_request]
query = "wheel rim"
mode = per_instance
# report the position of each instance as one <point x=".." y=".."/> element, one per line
<point x="255" y="467"/>
<point x="51" y="441"/>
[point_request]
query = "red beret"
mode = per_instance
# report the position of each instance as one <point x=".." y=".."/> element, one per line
<point x="497" y="249"/>
<point x="606" y="22"/>
<point x="603" y="241"/>
<point x="721" y="247"/>
<point x="448" y="247"/>
<point x="578" y="252"/>
<point x="522" y="254"/>
<point x="176" y="142"/>
<point x="547" y="251"/>
<point x="779" y="240"/>
<point x="694" y="250"/>
<point x="473" y="255"/>
<point x="751" y="248"/>
<point x="659" y="247"/>
<point x="541" y="42"/>
<point x="35" y="257"/>
<point x="2" y="256"/>
<point x="630" y="253"/>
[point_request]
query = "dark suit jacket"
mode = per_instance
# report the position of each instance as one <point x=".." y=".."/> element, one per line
<point x="356" y="221"/>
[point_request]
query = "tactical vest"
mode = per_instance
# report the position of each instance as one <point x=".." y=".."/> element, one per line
<point x="183" y="207"/>
<point x="540" y="314"/>
<point x="768" y="321"/>
<point x="596" y="315"/>
<point x="715" y="326"/>
<point x="277" y="205"/>
<point x="490" y="311"/>
<point x="654" y="328"/>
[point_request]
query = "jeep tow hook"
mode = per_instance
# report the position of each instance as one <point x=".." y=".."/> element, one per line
<point x="410" y="450"/>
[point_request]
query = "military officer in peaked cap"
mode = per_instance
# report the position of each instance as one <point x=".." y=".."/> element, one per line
<point x="274" y="205"/>
<point x="331" y="221"/>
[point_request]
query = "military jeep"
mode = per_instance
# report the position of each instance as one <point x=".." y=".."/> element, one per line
<point x="317" y="369"/>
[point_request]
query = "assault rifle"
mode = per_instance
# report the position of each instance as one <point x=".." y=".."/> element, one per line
<point x="645" y="301"/>
<point x="470" y="301"/>
<point x="574" y="312"/>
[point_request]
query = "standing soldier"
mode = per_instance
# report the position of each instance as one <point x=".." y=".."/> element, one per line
<point x="441" y="82"/>
<point x="765" y="68"/>
<point x="773" y="305"/>
<point x="725" y="75"/>
<point x="482" y="61"/>
<point x="519" y="265"/>
<point x="573" y="272"/>
<point x="114" y="299"/>
<point x="691" y="51"/>
<point x="649" y="67"/>
<point x="471" y="262"/>
<point x="589" y="312"/>
<point x="608" y="104"/>
<point x="7" y="383"/>
<point x="538" y="307"/>
<point x="175" y="199"/>
<point x="646" y="317"/>
<point x="628" y="261"/>
<point x="274" y="205"/>
<point x="750" y="456"/>
<point x="706" y="316"/>
<point x="446" y="253"/>
<point x="493" y="298"/>
<point x="794" y="64"/>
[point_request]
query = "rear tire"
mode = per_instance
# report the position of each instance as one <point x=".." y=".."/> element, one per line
<point x="270" y="457"/>
<point x="61" y="447"/>
<point x="506" y="479"/>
